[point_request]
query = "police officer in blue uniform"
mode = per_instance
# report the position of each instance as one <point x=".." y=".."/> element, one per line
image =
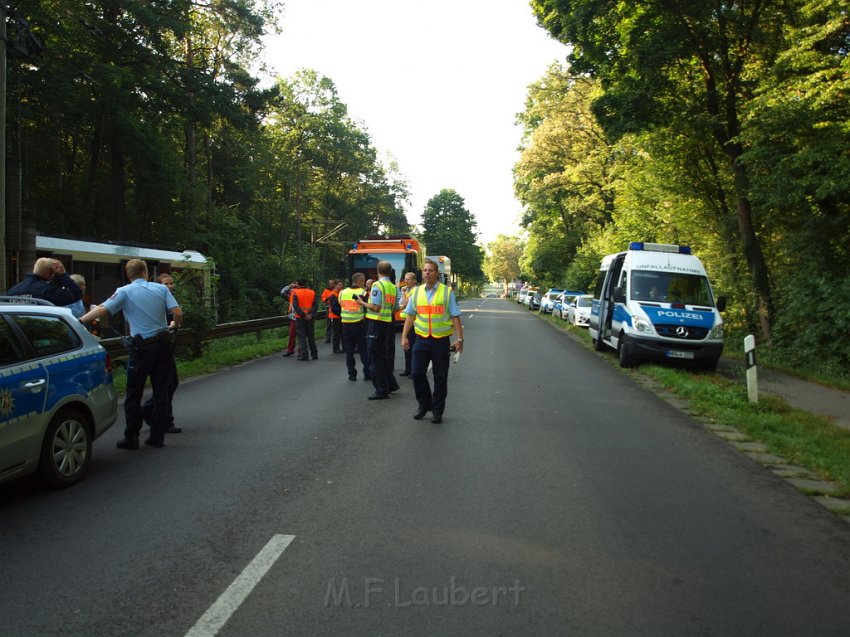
<point x="145" y="305"/>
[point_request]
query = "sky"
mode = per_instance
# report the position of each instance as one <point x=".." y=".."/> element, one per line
<point x="437" y="84"/>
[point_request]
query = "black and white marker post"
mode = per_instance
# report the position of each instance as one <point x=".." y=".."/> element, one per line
<point x="752" y="370"/>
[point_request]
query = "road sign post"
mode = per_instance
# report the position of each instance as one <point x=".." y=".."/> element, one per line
<point x="752" y="369"/>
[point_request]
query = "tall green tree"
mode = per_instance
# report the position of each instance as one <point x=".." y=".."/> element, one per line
<point x="694" y="63"/>
<point x="448" y="228"/>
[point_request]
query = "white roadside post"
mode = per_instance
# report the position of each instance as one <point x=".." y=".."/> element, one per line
<point x="752" y="370"/>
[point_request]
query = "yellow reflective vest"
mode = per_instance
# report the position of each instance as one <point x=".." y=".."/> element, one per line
<point x="389" y="293"/>
<point x="432" y="319"/>
<point x="352" y="311"/>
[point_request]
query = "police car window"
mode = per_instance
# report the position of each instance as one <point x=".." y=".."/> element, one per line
<point x="10" y="349"/>
<point x="48" y="334"/>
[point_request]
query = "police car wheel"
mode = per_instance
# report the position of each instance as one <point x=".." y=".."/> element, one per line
<point x="625" y="358"/>
<point x="66" y="451"/>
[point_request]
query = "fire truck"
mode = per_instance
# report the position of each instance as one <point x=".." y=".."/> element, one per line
<point x="405" y="254"/>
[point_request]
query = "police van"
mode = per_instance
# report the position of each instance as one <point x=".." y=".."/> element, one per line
<point x="654" y="302"/>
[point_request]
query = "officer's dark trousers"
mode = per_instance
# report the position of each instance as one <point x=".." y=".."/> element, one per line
<point x="153" y="359"/>
<point x="306" y="338"/>
<point x="408" y="353"/>
<point x="435" y="351"/>
<point x="336" y="334"/>
<point x="380" y="344"/>
<point x="354" y="336"/>
<point x="173" y="384"/>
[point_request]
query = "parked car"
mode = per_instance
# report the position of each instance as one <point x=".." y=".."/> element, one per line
<point x="534" y="300"/>
<point x="547" y="301"/>
<point x="562" y="303"/>
<point x="521" y="296"/>
<point x="561" y="306"/>
<point x="579" y="311"/>
<point x="526" y="298"/>
<point x="56" y="392"/>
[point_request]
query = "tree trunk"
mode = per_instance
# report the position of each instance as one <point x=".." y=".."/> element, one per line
<point x="119" y="203"/>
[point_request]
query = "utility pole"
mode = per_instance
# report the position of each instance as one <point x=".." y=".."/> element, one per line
<point x="3" y="275"/>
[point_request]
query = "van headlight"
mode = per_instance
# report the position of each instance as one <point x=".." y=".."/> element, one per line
<point x="716" y="331"/>
<point x="641" y="325"/>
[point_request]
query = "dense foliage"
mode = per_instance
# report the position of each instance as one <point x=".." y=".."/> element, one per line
<point x="143" y="121"/>
<point x="721" y="124"/>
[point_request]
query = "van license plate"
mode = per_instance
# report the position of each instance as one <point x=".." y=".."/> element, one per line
<point x="673" y="354"/>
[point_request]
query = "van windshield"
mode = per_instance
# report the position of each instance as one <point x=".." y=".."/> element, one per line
<point x="670" y="287"/>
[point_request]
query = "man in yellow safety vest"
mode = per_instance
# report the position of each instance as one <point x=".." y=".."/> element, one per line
<point x="433" y="314"/>
<point x="380" y="334"/>
<point x="354" y="326"/>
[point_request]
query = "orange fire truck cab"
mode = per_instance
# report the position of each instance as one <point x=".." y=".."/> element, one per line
<point x="405" y="253"/>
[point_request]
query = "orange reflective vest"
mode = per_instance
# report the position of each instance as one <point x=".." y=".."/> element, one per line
<point x="331" y="313"/>
<point x="301" y="301"/>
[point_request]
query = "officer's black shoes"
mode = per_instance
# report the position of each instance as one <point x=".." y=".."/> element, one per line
<point x="420" y="414"/>
<point x="395" y="387"/>
<point x="316" y="357"/>
<point x="352" y="377"/>
<point x="174" y="430"/>
<point x="437" y="418"/>
<point x="404" y="374"/>
<point x="128" y="443"/>
<point x="150" y="442"/>
<point x="288" y="354"/>
<point x="302" y="358"/>
<point x="377" y="396"/>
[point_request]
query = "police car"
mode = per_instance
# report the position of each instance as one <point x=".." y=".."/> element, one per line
<point x="56" y="392"/>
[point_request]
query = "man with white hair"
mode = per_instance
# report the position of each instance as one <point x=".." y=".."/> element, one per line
<point x="50" y="282"/>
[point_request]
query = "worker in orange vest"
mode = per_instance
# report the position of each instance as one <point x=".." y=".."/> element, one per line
<point x="304" y="304"/>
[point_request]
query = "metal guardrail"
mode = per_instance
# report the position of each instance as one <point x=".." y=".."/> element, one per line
<point x="116" y="348"/>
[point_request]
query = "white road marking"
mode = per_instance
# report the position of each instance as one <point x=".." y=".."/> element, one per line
<point x="231" y="599"/>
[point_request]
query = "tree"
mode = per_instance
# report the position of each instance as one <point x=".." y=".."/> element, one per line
<point x="448" y="228"/>
<point x="502" y="260"/>
<point x="692" y="63"/>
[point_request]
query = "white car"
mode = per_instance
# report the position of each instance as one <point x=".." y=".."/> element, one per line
<point x="579" y="311"/>
<point x="56" y="393"/>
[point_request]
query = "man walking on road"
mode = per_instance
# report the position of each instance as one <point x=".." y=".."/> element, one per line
<point x="145" y="305"/>
<point x="380" y="335"/>
<point x="354" y="326"/>
<point x="433" y="314"/>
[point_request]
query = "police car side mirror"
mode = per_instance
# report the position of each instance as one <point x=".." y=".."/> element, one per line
<point x="619" y="295"/>
<point x="721" y="304"/>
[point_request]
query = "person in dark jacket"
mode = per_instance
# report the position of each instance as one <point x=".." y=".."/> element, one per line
<point x="50" y="282"/>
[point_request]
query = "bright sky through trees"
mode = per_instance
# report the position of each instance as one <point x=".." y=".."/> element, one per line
<point x="437" y="84"/>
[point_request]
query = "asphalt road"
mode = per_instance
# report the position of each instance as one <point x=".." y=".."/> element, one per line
<point x="556" y="498"/>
